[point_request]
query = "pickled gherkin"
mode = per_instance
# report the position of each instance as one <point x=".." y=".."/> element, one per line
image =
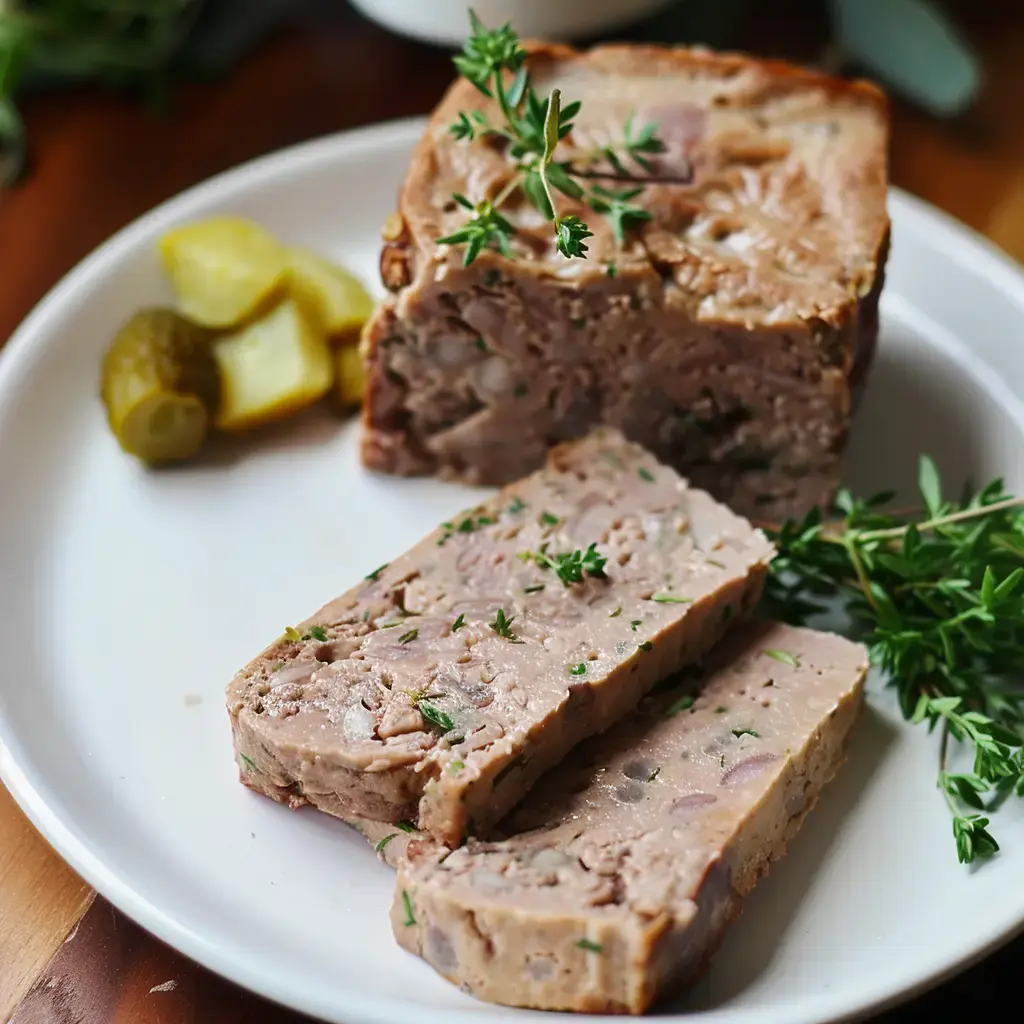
<point x="223" y="269"/>
<point x="349" y="376"/>
<point x="341" y="301"/>
<point x="160" y="385"/>
<point x="272" y="367"/>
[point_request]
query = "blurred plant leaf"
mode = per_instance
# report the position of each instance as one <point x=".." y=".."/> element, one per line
<point x="130" y="44"/>
<point x="225" y="32"/>
<point x="12" y="143"/>
<point x="911" y="47"/>
<point x="710" y="23"/>
<point x="12" y="131"/>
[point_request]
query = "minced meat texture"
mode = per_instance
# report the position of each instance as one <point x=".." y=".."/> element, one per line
<point x="729" y="335"/>
<point x="443" y="685"/>
<point x="615" y="878"/>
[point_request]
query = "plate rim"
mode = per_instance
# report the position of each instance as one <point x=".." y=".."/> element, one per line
<point x="959" y="243"/>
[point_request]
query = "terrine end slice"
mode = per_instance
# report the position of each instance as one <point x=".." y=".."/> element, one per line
<point x="616" y="878"/>
<point x="442" y="686"/>
<point x="730" y="333"/>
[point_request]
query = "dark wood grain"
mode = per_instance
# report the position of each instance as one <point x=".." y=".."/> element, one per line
<point x="99" y="160"/>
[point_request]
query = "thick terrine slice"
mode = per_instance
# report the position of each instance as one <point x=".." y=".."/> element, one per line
<point x="622" y="869"/>
<point x="440" y="688"/>
<point x="728" y="335"/>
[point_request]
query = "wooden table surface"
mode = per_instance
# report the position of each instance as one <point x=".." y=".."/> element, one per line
<point x="100" y="160"/>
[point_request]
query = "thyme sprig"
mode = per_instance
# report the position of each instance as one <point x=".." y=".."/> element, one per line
<point x="495" y="63"/>
<point x="569" y="566"/>
<point x="938" y="598"/>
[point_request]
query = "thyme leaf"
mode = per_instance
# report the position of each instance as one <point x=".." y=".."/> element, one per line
<point x="937" y="596"/>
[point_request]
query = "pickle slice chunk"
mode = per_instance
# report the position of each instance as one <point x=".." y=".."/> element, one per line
<point x="159" y="384"/>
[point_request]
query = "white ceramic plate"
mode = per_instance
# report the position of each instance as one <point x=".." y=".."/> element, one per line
<point x="128" y="598"/>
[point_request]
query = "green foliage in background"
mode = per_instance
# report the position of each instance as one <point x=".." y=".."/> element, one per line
<point x="129" y="44"/>
<point x="910" y="46"/>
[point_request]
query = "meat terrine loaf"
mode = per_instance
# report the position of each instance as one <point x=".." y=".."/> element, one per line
<point x="619" y="873"/>
<point x="446" y="683"/>
<point x="727" y="335"/>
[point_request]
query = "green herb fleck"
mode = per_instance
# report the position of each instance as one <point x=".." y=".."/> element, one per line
<point x="516" y="505"/>
<point x="616" y="206"/>
<point x="570" y="566"/>
<point x="536" y="588"/>
<point x="714" y="561"/>
<point x="579" y="668"/>
<point x="375" y="575"/>
<point x="645" y="474"/>
<point x="785" y="657"/>
<point x="721" y="709"/>
<point x="405" y="826"/>
<point x="615" y="613"/>
<point x="435" y="716"/>
<point x="459" y="623"/>
<point x="407" y="638"/>
<point x="469" y="524"/>
<point x="590" y="947"/>
<point x="746" y="732"/>
<point x="646" y="646"/>
<point x="520" y="390"/>
<point x="502" y="625"/>
<point x="481" y="344"/>
<point x="548" y="519"/>
<point x="683" y="704"/>
<point x="410" y="917"/>
<point x="671" y="599"/>
<point x="635" y="624"/>
<point x="727" y="613"/>
<point x="456" y="766"/>
<point x="278" y="665"/>
<point x="611" y="270"/>
<point x="654" y="774"/>
<point x="291" y="633"/>
<point x="316" y="633"/>
<point x="249" y="762"/>
<point x="384" y="842"/>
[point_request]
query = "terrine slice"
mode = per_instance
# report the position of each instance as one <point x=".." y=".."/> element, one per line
<point x="729" y="334"/>
<point x="621" y="870"/>
<point x="441" y="687"/>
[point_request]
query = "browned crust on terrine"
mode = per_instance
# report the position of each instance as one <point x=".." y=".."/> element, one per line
<point x="739" y="325"/>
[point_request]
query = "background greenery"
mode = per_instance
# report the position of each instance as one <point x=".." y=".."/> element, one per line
<point x="912" y="46"/>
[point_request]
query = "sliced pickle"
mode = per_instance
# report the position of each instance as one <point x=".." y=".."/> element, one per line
<point x="349" y="378"/>
<point x="223" y="269"/>
<point x="159" y="383"/>
<point x="340" y="299"/>
<point x="272" y="367"/>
